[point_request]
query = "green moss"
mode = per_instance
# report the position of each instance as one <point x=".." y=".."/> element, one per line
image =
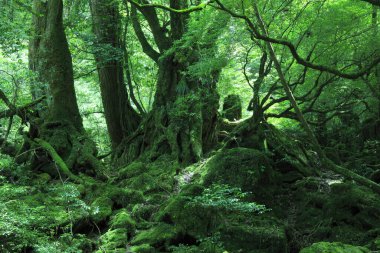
<point x="143" y="212"/>
<point x="144" y="248"/>
<point x="159" y="235"/>
<point x="263" y="234"/>
<point x="42" y="179"/>
<point x="239" y="167"/>
<point x="335" y="247"/>
<point x="101" y="209"/>
<point x="113" y="239"/>
<point x="132" y="170"/>
<point x="194" y="219"/>
<point x="122" y="219"/>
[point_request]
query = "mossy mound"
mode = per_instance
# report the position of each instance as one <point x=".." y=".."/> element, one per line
<point x="144" y="248"/>
<point x="264" y="234"/>
<point x="101" y="209"/>
<point x="148" y="178"/>
<point x="239" y="167"/>
<point x="122" y="219"/>
<point x="343" y="212"/>
<point x="185" y="221"/>
<point x="114" y="241"/>
<point x="335" y="247"/>
<point x="158" y="236"/>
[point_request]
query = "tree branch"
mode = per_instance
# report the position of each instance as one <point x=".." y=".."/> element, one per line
<point x="147" y="48"/>
<point x="164" y="7"/>
<point x="292" y="48"/>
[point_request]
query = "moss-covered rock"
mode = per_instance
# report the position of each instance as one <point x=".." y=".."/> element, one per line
<point x="335" y="247"/>
<point x="192" y="219"/>
<point x="114" y="240"/>
<point x="122" y="219"/>
<point x="144" y="248"/>
<point x="342" y="211"/>
<point x="239" y="167"/>
<point x="157" y="236"/>
<point x="263" y="234"/>
<point x="101" y="209"/>
<point x="133" y="169"/>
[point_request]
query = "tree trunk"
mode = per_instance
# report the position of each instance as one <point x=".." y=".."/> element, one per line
<point x="121" y="118"/>
<point x="183" y="120"/>
<point x="61" y="125"/>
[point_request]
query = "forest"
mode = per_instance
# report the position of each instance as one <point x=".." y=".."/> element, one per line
<point x="189" y="126"/>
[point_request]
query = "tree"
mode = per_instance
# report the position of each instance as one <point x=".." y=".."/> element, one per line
<point x="50" y="57"/>
<point x="122" y="120"/>
<point x="184" y="115"/>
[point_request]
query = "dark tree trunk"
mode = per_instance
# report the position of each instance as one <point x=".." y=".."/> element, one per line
<point x="121" y="118"/>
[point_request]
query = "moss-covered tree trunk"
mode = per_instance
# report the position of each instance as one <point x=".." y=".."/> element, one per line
<point x="50" y="57"/>
<point x="121" y="118"/>
<point x="183" y="120"/>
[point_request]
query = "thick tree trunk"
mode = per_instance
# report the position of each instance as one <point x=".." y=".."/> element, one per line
<point x="183" y="120"/>
<point x="53" y="63"/>
<point x="121" y="118"/>
<point x="61" y="125"/>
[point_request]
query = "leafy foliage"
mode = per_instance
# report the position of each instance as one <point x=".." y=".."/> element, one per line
<point x="227" y="198"/>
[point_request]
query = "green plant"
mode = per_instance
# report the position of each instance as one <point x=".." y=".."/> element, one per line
<point x="224" y="197"/>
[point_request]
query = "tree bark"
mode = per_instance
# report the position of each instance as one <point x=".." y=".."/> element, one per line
<point x="50" y="57"/>
<point x="121" y="118"/>
<point x="54" y="64"/>
<point x="184" y="114"/>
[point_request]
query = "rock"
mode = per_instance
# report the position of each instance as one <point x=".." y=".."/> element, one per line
<point x="239" y="167"/>
<point x="122" y="219"/>
<point x="334" y="247"/>
<point x="132" y="170"/>
<point x="157" y="236"/>
<point x="261" y="233"/>
<point x="101" y="209"/>
<point x="144" y="248"/>
<point x="114" y="240"/>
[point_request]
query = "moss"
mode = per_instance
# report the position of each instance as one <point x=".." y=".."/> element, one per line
<point x="335" y="247"/>
<point x="263" y="234"/>
<point x="144" y="248"/>
<point x="143" y="211"/>
<point x="193" y="219"/>
<point x="192" y="190"/>
<point x="232" y="108"/>
<point x="239" y="167"/>
<point x="132" y="170"/>
<point x="343" y="212"/>
<point x="157" y="236"/>
<point x="113" y="239"/>
<point x="121" y="196"/>
<point x="122" y="219"/>
<point x="42" y="179"/>
<point x="101" y="209"/>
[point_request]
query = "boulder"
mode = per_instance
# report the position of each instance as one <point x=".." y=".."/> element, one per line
<point x="333" y="247"/>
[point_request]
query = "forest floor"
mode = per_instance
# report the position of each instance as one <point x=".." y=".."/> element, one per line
<point x="237" y="200"/>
